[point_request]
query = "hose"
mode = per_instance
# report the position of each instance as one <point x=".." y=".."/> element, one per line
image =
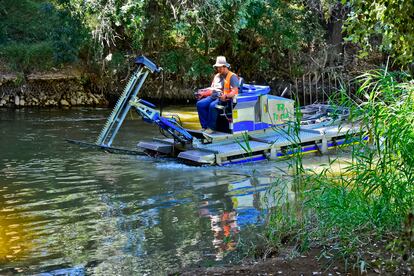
<point x="162" y="91"/>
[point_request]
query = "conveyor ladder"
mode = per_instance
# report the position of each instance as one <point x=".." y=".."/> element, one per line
<point x="122" y="106"/>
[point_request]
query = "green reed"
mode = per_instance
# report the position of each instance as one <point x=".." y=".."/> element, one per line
<point x="369" y="203"/>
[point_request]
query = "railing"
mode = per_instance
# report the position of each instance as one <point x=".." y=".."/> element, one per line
<point x="317" y="87"/>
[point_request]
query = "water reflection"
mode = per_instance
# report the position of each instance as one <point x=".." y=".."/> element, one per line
<point x="65" y="207"/>
<point x="15" y="239"/>
<point x="244" y="203"/>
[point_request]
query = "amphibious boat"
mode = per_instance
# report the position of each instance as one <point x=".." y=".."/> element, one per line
<point x="254" y="126"/>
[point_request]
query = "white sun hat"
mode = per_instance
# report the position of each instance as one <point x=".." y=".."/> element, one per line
<point x="221" y="61"/>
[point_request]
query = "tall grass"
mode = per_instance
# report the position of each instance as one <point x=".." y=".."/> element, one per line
<point x="369" y="204"/>
<point x="286" y="218"/>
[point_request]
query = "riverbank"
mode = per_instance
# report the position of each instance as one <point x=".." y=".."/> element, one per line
<point x="284" y="263"/>
<point x="68" y="88"/>
<point x="288" y="261"/>
<point x="49" y="89"/>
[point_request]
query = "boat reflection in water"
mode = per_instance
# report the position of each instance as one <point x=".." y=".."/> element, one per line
<point x="246" y="203"/>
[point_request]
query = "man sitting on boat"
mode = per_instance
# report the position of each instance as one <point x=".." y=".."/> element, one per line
<point x="224" y="87"/>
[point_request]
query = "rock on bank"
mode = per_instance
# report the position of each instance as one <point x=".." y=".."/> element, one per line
<point x="47" y="90"/>
<point x="65" y="90"/>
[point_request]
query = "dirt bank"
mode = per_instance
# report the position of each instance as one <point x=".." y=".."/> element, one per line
<point x="310" y="263"/>
<point x="283" y="264"/>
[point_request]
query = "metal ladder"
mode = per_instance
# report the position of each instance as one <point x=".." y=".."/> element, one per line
<point x="122" y="107"/>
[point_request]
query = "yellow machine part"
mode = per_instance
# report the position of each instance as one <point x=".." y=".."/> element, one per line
<point x="188" y="116"/>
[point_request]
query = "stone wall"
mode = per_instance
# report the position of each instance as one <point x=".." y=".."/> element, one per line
<point x="57" y="90"/>
<point x="47" y="90"/>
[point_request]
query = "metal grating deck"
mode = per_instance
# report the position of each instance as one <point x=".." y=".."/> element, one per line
<point x="283" y="138"/>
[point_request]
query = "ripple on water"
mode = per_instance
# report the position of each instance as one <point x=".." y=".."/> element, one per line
<point x="66" y="206"/>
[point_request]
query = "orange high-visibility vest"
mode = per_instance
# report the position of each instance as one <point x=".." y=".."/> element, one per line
<point x="226" y="86"/>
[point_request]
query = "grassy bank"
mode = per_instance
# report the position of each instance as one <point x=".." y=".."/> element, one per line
<point x="363" y="216"/>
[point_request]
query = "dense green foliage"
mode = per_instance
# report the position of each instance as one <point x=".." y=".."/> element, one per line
<point x="262" y="39"/>
<point x="386" y="25"/>
<point x="185" y="36"/>
<point x="36" y="34"/>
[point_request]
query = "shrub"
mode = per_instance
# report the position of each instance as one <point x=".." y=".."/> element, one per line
<point x="26" y="57"/>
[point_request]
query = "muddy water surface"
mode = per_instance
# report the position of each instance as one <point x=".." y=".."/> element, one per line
<point x="66" y="209"/>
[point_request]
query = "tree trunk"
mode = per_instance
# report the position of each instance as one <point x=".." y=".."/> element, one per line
<point x="335" y="38"/>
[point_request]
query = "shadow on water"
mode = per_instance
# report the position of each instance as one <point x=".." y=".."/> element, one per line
<point x="65" y="207"/>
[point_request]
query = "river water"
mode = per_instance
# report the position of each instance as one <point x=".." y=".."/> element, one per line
<point x="67" y="209"/>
